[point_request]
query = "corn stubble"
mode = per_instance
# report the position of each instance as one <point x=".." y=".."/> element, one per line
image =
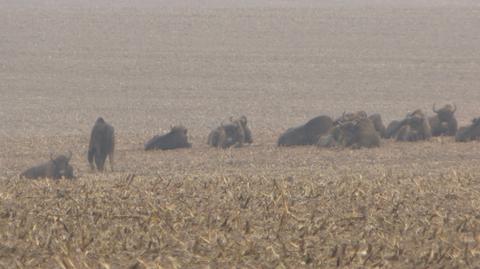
<point x="242" y="208"/>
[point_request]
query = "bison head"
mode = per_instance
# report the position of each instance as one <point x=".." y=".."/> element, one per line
<point x="416" y="119"/>
<point x="179" y="129"/>
<point x="476" y="122"/>
<point x="61" y="165"/>
<point x="446" y="113"/>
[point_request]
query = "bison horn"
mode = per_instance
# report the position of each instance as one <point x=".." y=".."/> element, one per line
<point x="433" y="108"/>
<point x="454" y="108"/>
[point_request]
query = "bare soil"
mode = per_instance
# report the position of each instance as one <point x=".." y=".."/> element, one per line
<point x="148" y="65"/>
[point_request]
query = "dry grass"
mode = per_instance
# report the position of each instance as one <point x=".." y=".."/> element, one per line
<point x="404" y="205"/>
<point x="399" y="206"/>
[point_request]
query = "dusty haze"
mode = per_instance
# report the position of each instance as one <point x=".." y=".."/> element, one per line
<point x="148" y="66"/>
<point x="145" y="65"/>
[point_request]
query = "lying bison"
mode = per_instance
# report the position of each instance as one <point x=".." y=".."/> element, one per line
<point x="235" y="133"/>
<point x="378" y="124"/>
<point x="335" y="137"/>
<point x="444" y="123"/>
<point x="176" y="138"/>
<point x="470" y="132"/>
<point x="392" y="128"/>
<point x="414" y="127"/>
<point x="307" y="134"/>
<point x="102" y="144"/>
<point x="354" y="134"/>
<point x="55" y="168"/>
<point x="361" y="134"/>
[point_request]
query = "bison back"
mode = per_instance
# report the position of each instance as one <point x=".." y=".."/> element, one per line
<point x="317" y="127"/>
<point x="293" y="137"/>
<point x="103" y="138"/>
<point x="152" y="143"/>
<point x="392" y="129"/>
<point x="44" y="170"/>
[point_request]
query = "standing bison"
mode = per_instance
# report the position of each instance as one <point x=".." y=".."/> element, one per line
<point x="307" y="134"/>
<point x="444" y="123"/>
<point x="102" y="144"/>
<point x="235" y="133"/>
<point x="55" y="168"/>
<point x="470" y="132"/>
<point x="176" y="138"/>
<point x="414" y="127"/>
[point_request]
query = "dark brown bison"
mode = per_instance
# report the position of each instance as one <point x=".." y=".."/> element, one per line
<point x="247" y="132"/>
<point x="55" y="168"/>
<point x="378" y="123"/>
<point x="102" y="144"/>
<point x="307" y="134"/>
<point x="392" y="128"/>
<point x="334" y="138"/>
<point x="355" y="134"/>
<point x="470" y="132"/>
<point x="176" y="138"/>
<point x="235" y="133"/>
<point x="444" y="123"/>
<point x="414" y="127"/>
<point x="361" y="134"/>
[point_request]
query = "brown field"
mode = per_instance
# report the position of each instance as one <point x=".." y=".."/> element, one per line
<point x="146" y="65"/>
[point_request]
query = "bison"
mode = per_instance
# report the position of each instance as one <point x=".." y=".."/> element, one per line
<point x="378" y="124"/>
<point x="55" y="168"/>
<point x="102" y="144"/>
<point x="307" y="134"/>
<point x="392" y="128"/>
<point x="334" y="138"/>
<point x="444" y="123"/>
<point x="247" y="132"/>
<point x="359" y="133"/>
<point x="176" y="138"/>
<point x="470" y="132"/>
<point x="414" y="127"/>
<point x="236" y="133"/>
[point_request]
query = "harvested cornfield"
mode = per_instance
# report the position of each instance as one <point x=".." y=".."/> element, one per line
<point x="144" y="67"/>
<point x="398" y="206"/>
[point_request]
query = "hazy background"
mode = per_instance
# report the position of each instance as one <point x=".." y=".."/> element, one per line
<point x="144" y="65"/>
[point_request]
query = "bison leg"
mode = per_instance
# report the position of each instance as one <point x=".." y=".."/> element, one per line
<point x="110" y="159"/>
<point x="91" y="154"/>
<point x="100" y="160"/>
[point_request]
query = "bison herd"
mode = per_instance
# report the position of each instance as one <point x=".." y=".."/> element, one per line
<point x="351" y="130"/>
